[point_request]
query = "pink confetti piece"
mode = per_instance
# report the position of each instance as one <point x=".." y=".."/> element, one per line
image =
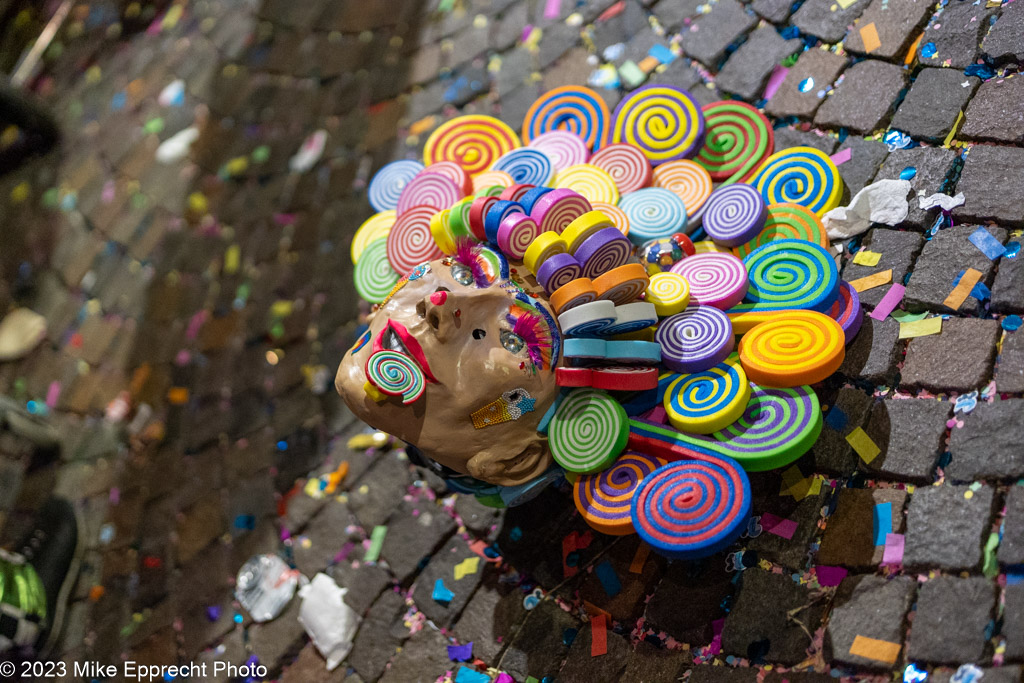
<point x="552" y="9"/>
<point x="52" y="394"/>
<point x="893" y="553"/>
<point x="774" y="81"/>
<point x="889" y="302"/>
<point x="774" y="524"/>
<point x="842" y="156"/>
<point x="829" y="576"/>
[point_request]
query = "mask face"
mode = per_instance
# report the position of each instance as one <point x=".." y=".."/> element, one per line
<point x="487" y="351"/>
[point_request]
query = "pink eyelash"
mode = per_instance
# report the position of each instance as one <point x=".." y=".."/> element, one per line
<point x="468" y="254"/>
<point x="532" y="330"/>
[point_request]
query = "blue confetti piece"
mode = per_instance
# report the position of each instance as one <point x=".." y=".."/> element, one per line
<point x="989" y="245"/>
<point x="789" y="32"/>
<point x="1012" y="249"/>
<point x="662" y="54"/>
<point x="1011" y="323"/>
<point x="836" y="419"/>
<point x="1013" y="579"/>
<point x="908" y="173"/>
<point x="914" y="674"/>
<point x="569" y="636"/>
<point x="441" y="592"/>
<point x="117" y="102"/>
<point x="608" y="578"/>
<point x="894" y="140"/>
<point x="245" y="522"/>
<point x="883" y="522"/>
<point x="460" y="653"/>
<point x="806" y="85"/>
<point x="467" y="675"/>
<point x="982" y="71"/>
<point x="928" y="50"/>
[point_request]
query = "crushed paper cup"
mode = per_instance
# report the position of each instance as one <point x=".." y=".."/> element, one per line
<point x="265" y="585"/>
<point x="943" y="201"/>
<point x="330" y="623"/>
<point x="884" y="201"/>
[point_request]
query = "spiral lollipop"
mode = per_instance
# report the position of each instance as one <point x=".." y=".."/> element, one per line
<point x="410" y="241"/>
<point x="589" y="429"/>
<point x="789" y="274"/>
<point x="374" y="276"/>
<point x="604" y="499"/>
<point x="627" y="165"/>
<point x="664" y="121"/>
<point x="623" y="284"/>
<point x="716" y="279"/>
<point x="801" y="175"/>
<point x="543" y="247"/>
<point x="571" y="108"/>
<point x="474" y="142"/>
<point x="653" y="212"/>
<point x="616" y="215"/>
<point x="576" y="293"/>
<point x="496" y="213"/>
<point x="693" y="508"/>
<point x="708" y="401"/>
<point x="558" y="270"/>
<point x="602" y="251"/>
<point x="563" y="148"/>
<point x="589" y="181"/>
<point x="491" y="183"/>
<point x="388" y="183"/>
<point x="580" y="230"/>
<point x="514" y="193"/>
<point x="516" y="233"/>
<point x="527" y="165"/>
<point x="376" y="226"/>
<point x="739" y="138"/>
<point x="458" y="219"/>
<point x="847" y="311"/>
<point x="441" y="231"/>
<point x="688" y="180"/>
<point x="478" y="214"/>
<point x="556" y="209"/>
<point x="696" y="339"/>
<point x="787" y="221"/>
<point x="793" y="348"/>
<point x="734" y="214"/>
<point x="669" y="292"/>
<point x="429" y="189"/>
<point x="457" y="175"/>
<point x="395" y="374"/>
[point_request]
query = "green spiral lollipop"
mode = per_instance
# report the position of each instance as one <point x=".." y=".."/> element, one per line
<point x="588" y="431"/>
<point x="375" y="278"/>
<point x="395" y="374"/>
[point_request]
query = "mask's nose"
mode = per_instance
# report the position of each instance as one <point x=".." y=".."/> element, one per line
<point x="441" y="312"/>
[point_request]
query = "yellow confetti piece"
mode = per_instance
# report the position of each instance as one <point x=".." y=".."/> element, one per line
<point x="867" y="449"/>
<point x="467" y="567"/>
<point x="878" y="650"/>
<point x="867" y="258"/>
<point x="232" y="259"/>
<point x="816" y="482"/>
<point x="845" y="3"/>
<point x="921" y="328"/>
<point x="871" y="281"/>
<point x="197" y="203"/>
<point x="282" y="308"/>
<point x="869" y="34"/>
<point x="237" y="166"/>
<point x="20" y="192"/>
<point x="963" y="289"/>
<point x="639" y="558"/>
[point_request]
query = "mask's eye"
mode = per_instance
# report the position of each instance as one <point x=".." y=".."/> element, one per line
<point x="462" y="274"/>
<point x="479" y="334"/>
<point x="512" y="342"/>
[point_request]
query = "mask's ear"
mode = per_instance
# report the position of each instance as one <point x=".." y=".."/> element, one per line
<point x="510" y="468"/>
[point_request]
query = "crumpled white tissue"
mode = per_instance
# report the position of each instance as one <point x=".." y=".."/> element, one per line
<point x="330" y="623"/>
<point x="943" y="201"/>
<point x="884" y="201"/>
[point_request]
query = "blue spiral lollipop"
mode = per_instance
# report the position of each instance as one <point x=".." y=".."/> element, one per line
<point x="526" y="165"/>
<point x="653" y="213"/>
<point x="388" y="183"/>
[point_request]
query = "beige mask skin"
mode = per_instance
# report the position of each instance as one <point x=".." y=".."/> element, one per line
<point x="458" y="322"/>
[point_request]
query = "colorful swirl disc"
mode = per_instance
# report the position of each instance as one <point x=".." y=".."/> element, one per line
<point x="695" y="340"/>
<point x="688" y="180"/>
<point x="708" y="401"/>
<point x="565" y="149"/>
<point x="623" y="285"/>
<point x="589" y="181"/>
<point x="580" y="230"/>
<point x="458" y="219"/>
<point x="653" y="212"/>
<point x="543" y="247"/>
<point x="531" y="196"/>
<point x="555" y="210"/>
<point x="716" y="279"/>
<point x="477" y="216"/>
<point x="800" y="175"/>
<point x="793" y="348"/>
<point x="388" y="183"/>
<point x="491" y="183"/>
<point x="627" y="165"/>
<point x="847" y="310"/>
<point x="457" y="174"/>
<point x="778" y="426"/>
<point x="739" y="138"/>
<point x="602" y="251"/>
<point x="474" y="142"/>
<point x="669" y="292"/>
<point x="734" y="215"/>
<point x="373" y="228"/>
<point x="410" y="241"/>
<point x="789" y="274"/>
<point x="516" y="233"/>
<point x="514" y="193"/>
<point x="605" y="499"/>
<point x="692" y="509"/>
<point x="527" y="165"/>
<point x="572" y="108"/>
<point x="588" y="431"/>
<point x="496" y="213"/>
<point x="441" y="231"/>
<point x="662" y="120"/>
<point x="396" y="374"/>
<point x="616" y="215"/>
<point x="787" y="221"/>
<point x="587" y="319"/>
<point x="557" y="271"/>
<point x="570" y="295"/>
<point x="429" y="189"/>
<point x="374" y="276"/>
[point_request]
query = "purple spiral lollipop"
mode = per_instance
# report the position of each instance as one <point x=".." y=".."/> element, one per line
<point x="847" y="311"/>
<point x="429" y="189"/>
<point x="734" y="215"/>
<point x="558" y="270"/>
<point x="695" y="340"/>
<point x="605" y="249"/>
<point x="604" y="498"/>
<point x="565" y="149"/>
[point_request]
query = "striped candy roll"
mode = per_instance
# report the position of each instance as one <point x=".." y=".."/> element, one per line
<point x="692" y="509"/>
<point x="709" y="401"/>
<point x="588" y="431"/>
<point x="396" y="374"/>
<point x="558" y="270"/>
<point x="602" y="251"/>
<point x="388" y="183"/>
<point x="516" y="233"/>
<point x="847" y="311"/>
<point x="572" y="294"/>
<point x="546" y="245"/>
<point x="739" y="138"/>
<point x="486" y="183"/>
<point x="565" y="149"/>
<point x="587" y="349"/>
<point x="686" y="179"/>
<point x="587" y="319"/>
<point x="633" y="351"/>
<point x="458" y="219"/>
<point x="440" y="230"/>
<point x="374" y="276"/>
<point x="410" y="242"/>
<point x="373" y="228"/>
<point x="627" y="165"/>
<point x="801" y="175"/>
<point x="604" y="499"/>
<point x="789" y="274"/>
<point x="695" y="340"/>
<point x="573" y="377"/>
<point x="572" y="108"/>
<point x="577" y="232"/>
<point x="555" y="210"/>
<point x="653" y="212"/>
<point x="715" y="279"/>
<point x="616" y="215"/>
<point x="526" y="165"/>
<point x="624" y="378"/>
<point x="477" y="215"/>
<point x="457" y="174"/>
<point x="623" y="284"/>
<point x="429" y="189"/>
<point x="787" y="221"/>
<point x="669" y="293"/>
<point x="734" y="214"/>
<point x="662" y="120"/>
<point x="474" y="142"/>
<point x="530" y="197"/>
<point x="793" y="348"/>
<point x="514" y="193"/>
<point x="496" y="213"/>
<point x="589" y="181"/>
<point x="632" y="317"/>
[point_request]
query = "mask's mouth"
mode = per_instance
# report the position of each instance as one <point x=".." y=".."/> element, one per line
<point x="395" y="337"/>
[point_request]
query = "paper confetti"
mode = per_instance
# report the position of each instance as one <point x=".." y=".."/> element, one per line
<point x="963" y="289"/>
<point x="830" y="576"/>
<point x="639" y="559"/>
<point x="376" y="543"/>
<point x="467" y="567"/>
<point x="845" y="3"/>
<point x="608" y="578"/>
<point x="467" y="675"/>
<point x="989" y="245"/>
<point x="882" y="522"/>
<point x="878" y="650"/>
<point x="921" y="328"/>
<point x="862" y="443"/>
<point x="867" y="258"/>
<point x="893" y="553"/>
<point x="889" y="302"/>
<point x="878" y="279"/>
<point x="869" y="34"/>
<point x="842" y="156"/>
<point x="598" y="636"/>
<point x="441" y="592"/>
<point x="460" y="653"/>
<point x="778" y="526"/>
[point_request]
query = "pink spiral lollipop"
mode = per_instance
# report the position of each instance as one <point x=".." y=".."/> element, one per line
<point x="410" y="241"/>
<point x="429" y="189"/>
<point x="695" y="340"/>
<point x="456" y="173"/>
<point x="565" y="149"/>
<point x="516" y="232"/>
<point x="716" y="279"/>
<point x="605" y="249"/>
<point x="734" y="215"/>
<point x="514" y="193"/>
<point x="627" y="164"/>
<point x="558" y="208"/>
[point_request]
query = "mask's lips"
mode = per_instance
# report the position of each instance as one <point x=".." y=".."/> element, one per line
<point x="395" y="337"/>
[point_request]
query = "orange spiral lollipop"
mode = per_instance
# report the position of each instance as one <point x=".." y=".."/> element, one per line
<point x="793" y="348"/>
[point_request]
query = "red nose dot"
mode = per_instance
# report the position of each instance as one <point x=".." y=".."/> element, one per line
<point x="438" y="298"/>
